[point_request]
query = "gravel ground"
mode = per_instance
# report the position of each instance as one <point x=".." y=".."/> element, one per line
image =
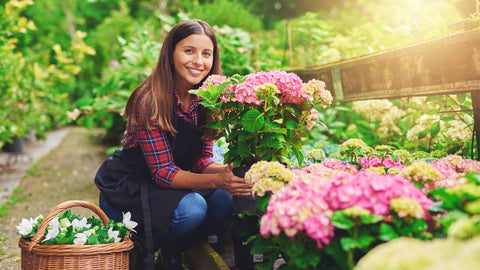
<point x="65" y="173"/>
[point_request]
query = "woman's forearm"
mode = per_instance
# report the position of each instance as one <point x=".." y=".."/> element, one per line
<point x="189" y="180"/>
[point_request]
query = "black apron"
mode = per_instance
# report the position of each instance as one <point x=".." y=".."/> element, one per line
<point x="127" y="183"/>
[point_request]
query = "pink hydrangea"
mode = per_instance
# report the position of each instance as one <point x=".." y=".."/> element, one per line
<point x="299" y="206"/>
<point x="290" y="86"/>
<point x="246" y="92"/>
<point x="337" y="164"/>
<point x="308" y="205"/>
<point x="459" y="164"/>
<point x="311" y="119"/>
<point x="374" y="161"/>
<point x="373" y="192"/>
<point x="215" y="80"/>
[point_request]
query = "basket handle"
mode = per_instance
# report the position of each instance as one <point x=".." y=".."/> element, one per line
<point x="59" y="209"/>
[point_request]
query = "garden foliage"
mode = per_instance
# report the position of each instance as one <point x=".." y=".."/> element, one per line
<point x="332" y="212"/>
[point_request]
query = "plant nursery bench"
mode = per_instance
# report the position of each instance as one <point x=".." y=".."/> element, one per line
<point x="450" y="65"/>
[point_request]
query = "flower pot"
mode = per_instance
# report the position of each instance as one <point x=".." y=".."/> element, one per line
<point x="243" y="203"/>
<point x="16" y="146"/>
<point x="244" y="227"/>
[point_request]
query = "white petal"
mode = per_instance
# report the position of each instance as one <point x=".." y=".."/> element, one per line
<point x="130" y="224"/>
<point x="51" y="234"/>
<point x="80" y="239"/>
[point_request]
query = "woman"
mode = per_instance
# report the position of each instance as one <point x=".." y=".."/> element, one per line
<point x="165" y="174"/>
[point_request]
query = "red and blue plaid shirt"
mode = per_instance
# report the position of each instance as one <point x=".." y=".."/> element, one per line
<point x="156" y="147"/>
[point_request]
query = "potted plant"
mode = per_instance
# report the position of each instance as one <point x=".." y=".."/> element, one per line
<point x="262" y="116"/>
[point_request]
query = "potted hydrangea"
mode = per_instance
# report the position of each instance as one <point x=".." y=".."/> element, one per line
<point x="262" y="116"/>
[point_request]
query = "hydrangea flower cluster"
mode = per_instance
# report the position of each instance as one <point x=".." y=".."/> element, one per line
<point x="267" y="176"/>
<point x="306" y="205"/>
<point x="263" y="115"/>
<point x="73" y="229"/>
<point x="290" y="87"/>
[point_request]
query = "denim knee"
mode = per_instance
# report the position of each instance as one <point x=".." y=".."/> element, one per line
<point x="190" y="212"/>
<point x="220" y="206"/>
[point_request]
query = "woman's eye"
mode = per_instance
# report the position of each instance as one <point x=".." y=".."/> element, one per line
<point x="207" y="54"/>
<point x="188" y="51"/>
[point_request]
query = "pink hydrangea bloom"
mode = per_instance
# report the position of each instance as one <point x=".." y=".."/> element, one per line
<point x="246" y="92"/>
<point x="215" y="80"/>
<point x="337" y="164"/>
<point x="308" y="205"/>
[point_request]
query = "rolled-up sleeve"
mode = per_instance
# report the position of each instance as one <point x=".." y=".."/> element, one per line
<point x="204" y="158"/>
<point x="158" y="155"/>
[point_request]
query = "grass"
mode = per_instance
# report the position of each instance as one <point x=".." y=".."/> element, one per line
<point x="12" y="200"/>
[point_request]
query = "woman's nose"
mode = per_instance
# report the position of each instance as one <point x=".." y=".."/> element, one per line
<point x="197" y="59"/>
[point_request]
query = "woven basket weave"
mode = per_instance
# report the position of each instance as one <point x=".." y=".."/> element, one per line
<point x="86" y="257"/>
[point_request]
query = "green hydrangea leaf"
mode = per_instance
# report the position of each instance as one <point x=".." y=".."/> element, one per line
<point x="348" y="243"/>
<point x="342" y="221"/>
<point x="253" y="120"/>
<point x="370" y="219"/>
<point x="387" y="232"/>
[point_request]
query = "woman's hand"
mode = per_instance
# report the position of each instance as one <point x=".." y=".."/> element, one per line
<point x="233" y="184"/>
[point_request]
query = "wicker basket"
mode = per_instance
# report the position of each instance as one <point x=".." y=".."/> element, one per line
<point x="101" y="256"/>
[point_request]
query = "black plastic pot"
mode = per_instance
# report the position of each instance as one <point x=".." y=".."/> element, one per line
<point x="244" y="227"/>
<point x="243" y="203"/>
<point x="16" y="146"/>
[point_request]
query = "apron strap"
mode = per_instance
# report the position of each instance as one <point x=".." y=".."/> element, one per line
<point x="150" y="259"/>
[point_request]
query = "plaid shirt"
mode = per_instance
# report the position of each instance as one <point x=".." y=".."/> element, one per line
<point x="156" y="147"/>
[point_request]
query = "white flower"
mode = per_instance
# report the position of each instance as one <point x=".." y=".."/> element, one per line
<point x="130" y="224"/>
<point x="114" y="234"/>
<point x="64" y="223"/>
<point x="80" y="239"/>
<point x="80" y="224"/>
<point x="53" y="223"/>
<point x="52" y="233"/>
<point x="25" y="227"/>
<point x="89" y="232"/>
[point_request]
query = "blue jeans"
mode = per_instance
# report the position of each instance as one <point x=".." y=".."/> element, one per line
<point x="192" y="212"/>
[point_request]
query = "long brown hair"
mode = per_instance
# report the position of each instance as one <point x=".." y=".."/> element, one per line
<point x="154" y="96"/>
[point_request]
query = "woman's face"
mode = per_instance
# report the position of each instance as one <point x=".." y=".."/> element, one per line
<point x="192" y="59"/>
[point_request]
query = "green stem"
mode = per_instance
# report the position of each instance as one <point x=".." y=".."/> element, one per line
<point x="350" y="257"/>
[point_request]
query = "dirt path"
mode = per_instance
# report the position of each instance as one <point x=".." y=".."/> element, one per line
<point x="66" y="173"/>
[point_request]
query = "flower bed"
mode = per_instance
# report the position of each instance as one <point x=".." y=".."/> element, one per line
<point x="332" y="212"/>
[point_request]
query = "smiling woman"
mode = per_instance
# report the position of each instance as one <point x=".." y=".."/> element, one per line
<point x="165" y="173"/>
<point x="193" y="59"/>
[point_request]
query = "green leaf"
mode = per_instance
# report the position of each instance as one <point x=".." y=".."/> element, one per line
<point x="262" y="203"/>
<point x="273" y="140"/>
<point x="243" y="149"/>
<point x="370" y="219"/>
<point x="364" y="240"/>
<point x="423" y="133"/>
<point x="473" y="178"/>
<point x="342" y="221"/>
<point x="298" y="155"/>
<point x="253" y="120"/>
<point x="435" y="128"/>
<point x="449" y="201"/>
<point x="419" y="225"/>
<point x="348" y="243"/>
<point x="387" y="232"/>
<point x="291" y="124"/>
